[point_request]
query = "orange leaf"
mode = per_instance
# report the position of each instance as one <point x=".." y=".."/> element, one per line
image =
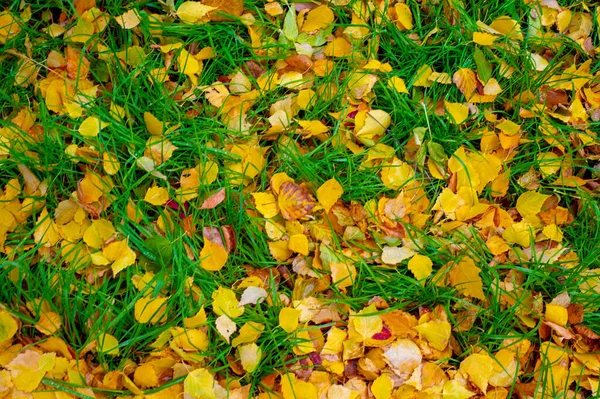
<point x="295" y="201"/>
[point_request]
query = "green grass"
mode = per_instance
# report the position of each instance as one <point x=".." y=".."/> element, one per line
<point x="90" y="306"/>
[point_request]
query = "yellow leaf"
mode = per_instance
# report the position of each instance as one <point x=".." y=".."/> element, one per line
<point x="464" y="276"/>
<point x="483" y="38"/>
<point x="366" y="323"/>
<point x="250" y="355"/>
<point x="266" y="204"/>
<point x="225" y="302"/>
<point x="150" y="310"/>
<point x="213" y="256"/>
<point x="556" y="314"/>
<point x="329" y="193"/>
<point x="371" y="126"/>
<point x="8" y="327"/>
<point x="530" y="203"/>
<point x="91" y="126"/>
<point x="225" y="326"/>
<point x="111" y="163"/>
<point x="550" y="163"/>
<point x="312" y="128"/>
<point x="156" y="196"/>
<point x="293" y="388"/>
<point x="193" y="11"/>
<point x="129" y="19"/>
<point x="187" y="63"/>
<point x="335" y="341"/>
<point x="338" y="47"/>
<point x="405" y="18"/>
<point x="153" y="124"/>
<point x="146" y="376"/>
<point x="507" y="27"/>
<point x="49" y="323"/>
<point x="421" y="78"/>
<point x="436" y="332"/>
<point x="343" y="274"/>
<point x="420" y="266"/>
<point x="108" y="345"/>
<point x="395" y="173"/>
<point x="197" y="320"/>
<point x="497" y="245"/>
<point x="453" y="390"/>
<point x="288" y="319"/>
<point x="120" y="254"/>
<point x="518" y="233"/>
<point x="397" y="84"/>
<point x="508" y="127"/>
<point x="553" y="232"/>
<point x="279" y="250"/>
<point x="318" y="18"/>
<point x="298" y="243"/>
<point x="459" y="112"/>
<point x="190" y="340"/>
<point x="479" y="367"/>
<point x="99" y="231"/>
<point x="248" y="333"/>
<point x="466" y="81"/>
<point x="28" y="368"/>
<point x="199" y="384"/>
<point x="382" y="386"/>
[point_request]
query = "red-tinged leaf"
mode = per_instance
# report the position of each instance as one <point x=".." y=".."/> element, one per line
<point x="295" y="201"/>
<point x="223" y="236"/>
<point x="214" y="200"/>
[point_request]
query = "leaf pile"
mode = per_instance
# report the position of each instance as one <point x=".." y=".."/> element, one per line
<point x="325" y="217"/>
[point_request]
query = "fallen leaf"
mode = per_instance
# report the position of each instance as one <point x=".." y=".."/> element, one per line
<point x="252" y="296"/>
<point x="225" y="326"/>
<point x="250" y="355"/>
<point x="213" y="256"/>
<point x="329" y="193"/>
<point x="156" y="196"/>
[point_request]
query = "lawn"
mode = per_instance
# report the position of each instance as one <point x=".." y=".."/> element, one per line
<point x="332" y="199"/>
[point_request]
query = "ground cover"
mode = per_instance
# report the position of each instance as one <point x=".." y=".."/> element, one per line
<point x="343" y="199"/>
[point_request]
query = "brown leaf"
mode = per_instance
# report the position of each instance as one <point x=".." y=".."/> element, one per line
<point x="225" y="9"/>
<point x="295" y="201"/>
<point x="217" y="235"/>
<point x="300" y="63"/>
<point x="214" y="200"/>
<point x="575" y="313"/>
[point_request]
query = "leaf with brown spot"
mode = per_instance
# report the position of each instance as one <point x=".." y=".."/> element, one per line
<point x="295" y="201"/>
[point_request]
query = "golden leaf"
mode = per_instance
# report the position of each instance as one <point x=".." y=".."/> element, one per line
<point x="213" y="256"/>
<point x="108" y="345"/>
<point x="156" y="196"/>
<point x="464" y="276"/>
<point x="295" y="201"/>
<point x="466" y="81"/>
<point x="459" y="112"/>
<point x="266" y="204"/>
<point x="288" y="319"/>
<point x="318" y="18"/>
<point x="150" y="310"/>
<point x="421" y="267"/>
